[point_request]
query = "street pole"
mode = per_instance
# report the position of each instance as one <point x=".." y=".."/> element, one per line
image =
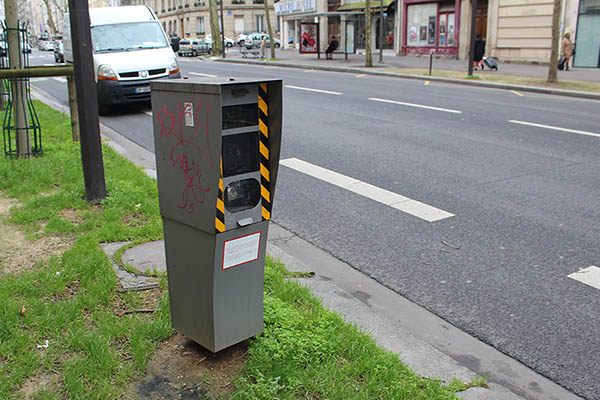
<point x="472" y="41"/>
<point x="222" y="31"/>
<point x="87" y="101"/>
<point x="380" y="31"/>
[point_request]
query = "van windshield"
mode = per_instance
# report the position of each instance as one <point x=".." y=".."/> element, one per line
<point x="129" y="36"/>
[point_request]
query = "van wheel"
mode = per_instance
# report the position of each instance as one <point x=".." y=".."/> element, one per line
<point x="194" y="53"/>
<point x="277" y="45"/>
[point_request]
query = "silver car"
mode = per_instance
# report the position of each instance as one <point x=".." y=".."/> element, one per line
<point x="193" y="47"/>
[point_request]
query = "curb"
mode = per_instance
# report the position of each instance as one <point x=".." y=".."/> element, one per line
<point x="493" y="85"/>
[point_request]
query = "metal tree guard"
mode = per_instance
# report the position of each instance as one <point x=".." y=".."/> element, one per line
<point x="19" y="106"/>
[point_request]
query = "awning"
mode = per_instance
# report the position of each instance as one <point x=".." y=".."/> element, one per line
<point x="375" y="4"/>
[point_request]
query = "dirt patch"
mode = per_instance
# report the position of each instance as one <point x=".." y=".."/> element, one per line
<point x="148" y="300"/>
<point x="35" y="384"/>
<point x="183" y="369"/>
<point x="17" y="253"/>
<point x="73" y="216"/>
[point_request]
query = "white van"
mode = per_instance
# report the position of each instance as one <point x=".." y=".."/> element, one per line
<point x="130" y="48"/>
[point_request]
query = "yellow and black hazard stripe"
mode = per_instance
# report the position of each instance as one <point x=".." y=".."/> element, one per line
<point x="220" y="218"/>
<point x="263" y="144"/>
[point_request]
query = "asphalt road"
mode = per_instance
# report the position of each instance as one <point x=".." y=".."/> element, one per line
<point x="521" y="202"/>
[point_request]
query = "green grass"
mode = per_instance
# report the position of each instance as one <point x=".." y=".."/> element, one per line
<point x="94" y="351"/>
<point x="70" y="300"/>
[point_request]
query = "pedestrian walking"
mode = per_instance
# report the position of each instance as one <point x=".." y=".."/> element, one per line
<point x="478" y="53"/>
<point x="263" y="48"/>
<point x="566" y="50"/>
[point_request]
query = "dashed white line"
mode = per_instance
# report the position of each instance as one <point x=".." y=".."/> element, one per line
<point x="556" y="128"/>
<point x="200" y="74"/>
<point x="313" y="90"/>
<point x="590" y="276"/>
<point x="416" y="105"/>
<point x="399" y="202"/>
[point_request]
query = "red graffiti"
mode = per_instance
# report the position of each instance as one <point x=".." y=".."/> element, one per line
<point x="194" y="140"/>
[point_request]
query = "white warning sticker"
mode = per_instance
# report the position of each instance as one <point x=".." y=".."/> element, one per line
<point x="188" y="111"/>
<point x="241" y="250"/>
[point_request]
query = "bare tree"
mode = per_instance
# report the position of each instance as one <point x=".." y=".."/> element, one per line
<point x="368" y="29"/>
<point x="214" y="28"/>
<point x="552" y="69"/>
<point x="50" y="19"/>
<point x="270" y="29"/>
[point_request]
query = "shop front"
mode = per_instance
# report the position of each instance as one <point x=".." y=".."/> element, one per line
<point x="431" y="26"/>
<point x="588" y="35"/>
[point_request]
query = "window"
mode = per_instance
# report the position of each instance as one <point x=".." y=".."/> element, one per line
<point x="421" y="25"/>
<point x="260" y="23"/>
<point x="238" y="24"/>
<point x="200" y="25"/>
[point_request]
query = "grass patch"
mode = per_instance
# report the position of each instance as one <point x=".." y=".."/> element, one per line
<point x="309" y="352"/>
<point x="70" y="299"/>
<point x="95" y="349"/>
<point x="492" y="76"/>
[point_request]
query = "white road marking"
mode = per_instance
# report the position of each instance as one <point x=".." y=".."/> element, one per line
<point x="556" y="128"/>
<point x="517" y="93"/>
<point x="401" y="203"/>
<point x="313" y="90"/>
<point x="426" y="83"/>
<point x="361" y="75"/>
<point x="416" y="105"/>
<point x="590" y="276"/>
<point x="60" y="79"/>
<point x="199" y="74"/>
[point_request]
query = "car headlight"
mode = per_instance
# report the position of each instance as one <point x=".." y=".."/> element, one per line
<point x="106" y="73"/>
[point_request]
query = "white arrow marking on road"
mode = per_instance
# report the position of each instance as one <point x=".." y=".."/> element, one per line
<point x="556" y="128"/>
<point x="199" y="74"/>
<point x="313" y="90"/>
<point x="590" y="276"/>
<point x="416" y="105"/>
<point x="401" y="203"/>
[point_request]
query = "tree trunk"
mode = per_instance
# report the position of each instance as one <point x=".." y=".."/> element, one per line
<point x="50" y="19"/>
<point x="214" y="28"/>
<point x="552" y="68"/>
<point x="270" y="29"/>
<point x="368" y="32"/>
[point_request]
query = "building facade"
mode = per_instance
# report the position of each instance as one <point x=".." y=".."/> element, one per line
<point x="342" y="20"/>
<point x="191" y="18"/>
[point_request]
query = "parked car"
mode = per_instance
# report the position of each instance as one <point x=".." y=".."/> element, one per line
<point x="59" y="52"/>
<point x="50" y="45"/>
<point x="193" y="47"/>
<point x="228" y="42"/>
<point x="43" y="43"/>
<point x="241" y="38"/>
<point x="255" y="40"/>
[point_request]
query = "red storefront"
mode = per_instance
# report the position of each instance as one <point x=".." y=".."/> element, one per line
<point x="430" y="25"/>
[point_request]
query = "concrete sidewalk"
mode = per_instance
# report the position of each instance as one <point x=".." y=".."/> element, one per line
<point x="429" y="345"/>
<point x="391" y="61"/>
<point x="393" y="66"/>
